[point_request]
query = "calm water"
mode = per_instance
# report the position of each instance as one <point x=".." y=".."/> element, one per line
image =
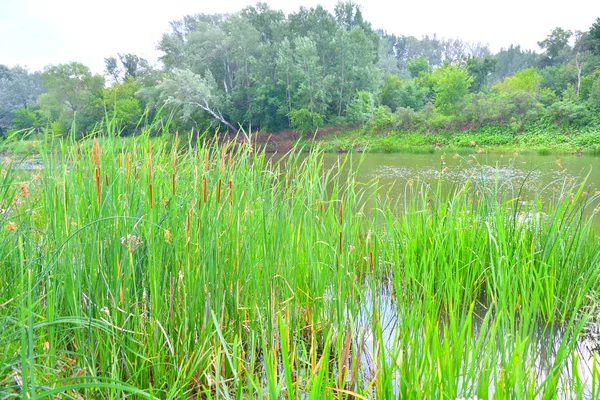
<point x="539" y="174"/>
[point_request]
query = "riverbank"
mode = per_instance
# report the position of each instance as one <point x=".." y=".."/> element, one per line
<point x="541" y="140"/>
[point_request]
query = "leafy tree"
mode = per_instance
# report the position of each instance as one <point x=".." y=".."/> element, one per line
<point x="361" y="109"/>
<point x="556" y="47"/>
<point x="18" y="89"/>
<point x="481" y="71"/>
<point x="123" y="105"/>
<point x="527" y="80"/>
<point x="305" y="121"/>
<point x="451" y="87"/>
<point x="25" y="118"/>
<point x="397" y="93"/>
<point x="417" y="66"/>
<point x="74" y="96"/>
<point x="593" y="38"/>
<point x="512" y="60"/>
<point x="193" y="93"/>
<point x="558" y="78"/>
<point x="112" y="68"/>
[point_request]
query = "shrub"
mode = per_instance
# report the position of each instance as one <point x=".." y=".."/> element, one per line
<point x="305" y="121"/>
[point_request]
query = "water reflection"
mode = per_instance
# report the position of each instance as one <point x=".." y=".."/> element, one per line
<point x="544" y="353"/>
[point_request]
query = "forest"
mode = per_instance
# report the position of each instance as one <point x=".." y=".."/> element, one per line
<point x="260" y="69"/>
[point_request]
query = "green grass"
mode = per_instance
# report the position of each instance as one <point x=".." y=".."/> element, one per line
<point x="541" y="139"/>
<point x="183" y="269"/>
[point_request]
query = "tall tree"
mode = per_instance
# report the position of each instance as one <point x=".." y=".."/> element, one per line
<point x="556" y="47"/>
<point x="18" y="89"/>
<point x="74" y="96"/>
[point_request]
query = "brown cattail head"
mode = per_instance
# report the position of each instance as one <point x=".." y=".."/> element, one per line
<point x="231" y="192"/>
<point x="151" y="196"/>
<point x="219" y="191"/>
<point x="96" y="154"/>
<point x="341" y="213"/>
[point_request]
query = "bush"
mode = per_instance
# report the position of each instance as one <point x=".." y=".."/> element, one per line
<point x="304" y="121"/>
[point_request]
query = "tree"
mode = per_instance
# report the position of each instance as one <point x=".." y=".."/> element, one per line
<point x="593" y="38"/>
<point x="123" y="105"/>
<point x="481" y="71"/>
<point x="417" y="66"/>
<point x="112" y="68"/>
<point x="556" y="48"/>
<point x="451" y="86"/>
<point x="74" y="96"/>
<point x="527" y="80"/>
<point x="18" y="89"/>
<point x="512" y="60"/>
<point x="193" y="92"/>
<point x="397" y="93"/>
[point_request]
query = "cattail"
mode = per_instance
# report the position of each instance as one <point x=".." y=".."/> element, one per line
<point x="151" y="196"/>
<point x="219" y="191"/>
<point x="205" y="166"/>
<point x="174" y="164"/>
<point x="119" y="160"/>
<point x="222" y="165"/>
<point x="98" y="188"/>
<point x="371" y="261"/>
<point x="341" y="248"/>
<point x="127" y="168"/>
<point x="231" y="192"/>
<point x="106" y="179"/>
<point x="96" y="154"/>
<point x="341" y="213"/>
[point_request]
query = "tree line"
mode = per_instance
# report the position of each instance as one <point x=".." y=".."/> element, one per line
<point x="262" y="69"/>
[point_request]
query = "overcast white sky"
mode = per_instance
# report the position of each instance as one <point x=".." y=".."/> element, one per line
<point x="35" y="33"/>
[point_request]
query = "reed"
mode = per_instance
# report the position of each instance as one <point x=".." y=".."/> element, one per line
<point x="301" y="283"/>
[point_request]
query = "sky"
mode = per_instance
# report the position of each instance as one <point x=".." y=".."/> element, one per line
<point x="36" y="33"/>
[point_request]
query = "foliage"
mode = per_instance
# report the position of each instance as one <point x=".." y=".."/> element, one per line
<point x="18" y="89"/>
<point x="527" y="80"/>
<point x="73" y="97"/>
<point x="305" y="121"/>
<point x="362" y="108"/>
<point x="451" y="86"/>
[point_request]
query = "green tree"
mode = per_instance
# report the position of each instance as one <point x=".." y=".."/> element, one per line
<point x="74" y="96"/>
<point x="397" y="93"/>
<point x="451" y="86"/>
<point x="417" y="66"/>
<point x="481" y="70"/>
<point x="556" y="48"/>
<point x="527" y="80"/>
<point x="121" y="101"/>
<point x="18" y="89"/>
<point x="194" y="93"/>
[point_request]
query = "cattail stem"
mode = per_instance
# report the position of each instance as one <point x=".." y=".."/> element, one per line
<point x="204" y="187"/>
<point x="98" y="186"/>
